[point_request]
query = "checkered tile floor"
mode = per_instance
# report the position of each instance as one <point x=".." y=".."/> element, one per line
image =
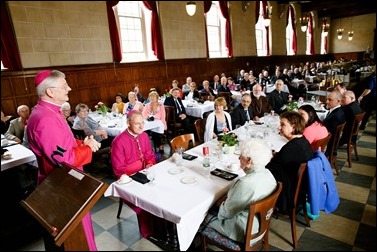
<point x="352" y="227"/>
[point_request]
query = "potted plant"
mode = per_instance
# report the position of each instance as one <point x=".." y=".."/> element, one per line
<point x="102" y="108"/>
<point x="229" y="140"/>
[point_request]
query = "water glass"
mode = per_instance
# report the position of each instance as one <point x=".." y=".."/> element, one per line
<point x="206" y="167"/>
<point x="151" y="175"/>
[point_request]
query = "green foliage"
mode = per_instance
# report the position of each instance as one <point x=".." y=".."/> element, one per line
<point x="229" y="139"/>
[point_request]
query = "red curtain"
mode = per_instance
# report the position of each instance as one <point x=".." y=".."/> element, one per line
<point x="157" y="45"/>
<point x="114" y="34"/>
<point x="294" y="37"/>
<point x="9" y="50"/>
<point x="228" y="33"/>
<point x="324" y="21"/>
<point x="311" y="32"/>
<point x="207" y="7"/>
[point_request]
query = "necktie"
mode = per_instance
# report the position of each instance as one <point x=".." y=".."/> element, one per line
<point x="247" y="115"/>
<point x="179" y="110"/>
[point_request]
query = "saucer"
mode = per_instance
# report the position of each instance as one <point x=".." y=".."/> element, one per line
<point x="189" y="180"/>
<point x="175" y="171"/>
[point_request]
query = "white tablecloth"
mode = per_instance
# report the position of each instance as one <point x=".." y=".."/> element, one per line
<point x="116" y="125"/>
<point x="196" y="109"/>
<point x="20" y="155"/>
<point x="296" y="83"/>
<point x="186" y="205"/>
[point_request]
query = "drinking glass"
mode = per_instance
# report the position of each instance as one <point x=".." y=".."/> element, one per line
<point x="151" y="175"/>
<point x="179" y="158"/>
<point x="206" y="167"/>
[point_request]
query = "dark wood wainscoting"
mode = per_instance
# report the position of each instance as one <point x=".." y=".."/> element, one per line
<point x="93" y="83"/>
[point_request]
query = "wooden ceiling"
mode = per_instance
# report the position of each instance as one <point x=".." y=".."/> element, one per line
<point x="335" y="9"/>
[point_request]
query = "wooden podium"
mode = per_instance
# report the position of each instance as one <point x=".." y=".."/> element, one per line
<point x="60" y="202"/>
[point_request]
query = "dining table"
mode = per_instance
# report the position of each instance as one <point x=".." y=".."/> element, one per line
<point x="183" y="192"/>
<point x="114" y="124"/>
<point x="19" y="155"/>
<point x="198" y="109"/>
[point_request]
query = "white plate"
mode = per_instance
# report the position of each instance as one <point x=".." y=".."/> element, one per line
<point x="189" y="180"/>
<point x="175" y="171"/>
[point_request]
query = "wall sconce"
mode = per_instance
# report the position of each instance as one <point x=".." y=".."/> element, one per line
<point x="245" y="5"/>
<point x="304" y="23"/>
<point x="350" y="35"/>
<point x="326" y="29"/>
<point x="339" y="32"/>
<point x="267" y="16"/>
<point x="191" y="8"/>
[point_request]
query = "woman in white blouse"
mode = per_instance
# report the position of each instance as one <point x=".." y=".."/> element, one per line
<point x="219" y="121"/>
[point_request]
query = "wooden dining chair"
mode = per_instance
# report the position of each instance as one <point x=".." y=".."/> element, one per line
<point x="174" y="127"/>
<point x="334" y="146"/>
<point x="200" y="125"/>
<point x="186" y="141"/>
<point x="321" y="144"/>
<point x="299" y="199"/>
<point x="352" y="140"/>
<point x="263" y="209"/>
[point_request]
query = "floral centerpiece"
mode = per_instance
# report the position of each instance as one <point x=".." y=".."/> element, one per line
<point x="229" y="139"/>
<point x="292" y="105"/>
<point x="102" y="108"/>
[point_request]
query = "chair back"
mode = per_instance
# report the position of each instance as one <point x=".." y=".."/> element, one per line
<point x="186" y="141"/>
<point x="264" y="209"/>
<point x="227" y="96"/>
<point x="356" y="126"/>
<point x="334" y="146"/>
<point x="321" y="144"/>
<point x="173" y="127"/>
<point x="299" y="198"/>
<point x="200" y="125"/>
<point x="352" y="139"/>
<point x="78" y="134"/>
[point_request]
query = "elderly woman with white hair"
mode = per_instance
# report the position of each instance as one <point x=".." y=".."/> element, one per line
<point x="257" y="184"/>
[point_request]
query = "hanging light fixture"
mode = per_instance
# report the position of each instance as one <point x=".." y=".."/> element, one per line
<point x="304" y="23"/>
<point x="267" y="16"/>
<point x="339" y="32"/>
<point x="350" y="33"/>
<point x="191" y="8"/>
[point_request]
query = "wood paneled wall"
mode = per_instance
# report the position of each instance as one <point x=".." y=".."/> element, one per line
<point x="93" y="83"/>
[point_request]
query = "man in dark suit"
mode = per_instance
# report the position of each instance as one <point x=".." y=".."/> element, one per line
<point x="334" y="117"/>
<point x="243" y="112"/>
<point x="278" y="98"/>
<point x="180" y="111"/>
<point x="351" y="108"/>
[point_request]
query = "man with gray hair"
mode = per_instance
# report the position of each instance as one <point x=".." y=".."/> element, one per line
<point x="47" y="129"/>
<point x="17" y="126"/>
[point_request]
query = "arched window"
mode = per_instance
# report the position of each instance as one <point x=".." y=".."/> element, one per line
<point x="261" y="31"/>
<point x="290" y="32"/>
<point x="216" y="32"/>
<point x="324" y="33"/>
<point x="310" y="35"/>
<point x="134" y="22"/>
